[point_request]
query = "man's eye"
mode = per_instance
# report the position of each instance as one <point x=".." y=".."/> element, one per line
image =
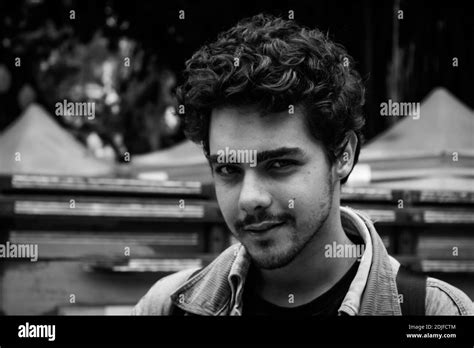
<point x="279" y="164"/>
<point x="226" y="170"/>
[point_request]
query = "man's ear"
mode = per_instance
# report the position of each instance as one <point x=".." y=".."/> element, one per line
<point x="345" y="160"/>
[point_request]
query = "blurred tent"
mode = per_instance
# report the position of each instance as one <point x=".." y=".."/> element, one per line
<point x="36" y="144"/>
<point x="435" y="151"/>
<point x="184" y="161"/>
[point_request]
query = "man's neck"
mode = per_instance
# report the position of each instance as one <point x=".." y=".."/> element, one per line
<point x="311" y="273"/>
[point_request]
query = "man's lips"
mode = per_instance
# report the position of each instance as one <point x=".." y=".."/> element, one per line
<point x="262" y="226"/>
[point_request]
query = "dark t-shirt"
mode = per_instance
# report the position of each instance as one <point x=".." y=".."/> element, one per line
<point x="326" y="304"/>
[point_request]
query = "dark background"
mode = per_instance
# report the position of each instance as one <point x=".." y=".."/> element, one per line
<point x="431" y="33"/>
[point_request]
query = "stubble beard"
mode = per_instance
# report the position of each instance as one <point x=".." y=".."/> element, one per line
<point x="279" y="259"/>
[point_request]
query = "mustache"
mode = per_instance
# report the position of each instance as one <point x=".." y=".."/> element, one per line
<point x="263" y="216"/>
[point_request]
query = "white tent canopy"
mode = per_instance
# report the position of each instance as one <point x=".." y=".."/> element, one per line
<point x="36" y="144"/>
<point x="185" y="153"/>
<point x="435" y="151"/>
<point x="184" y="161"/>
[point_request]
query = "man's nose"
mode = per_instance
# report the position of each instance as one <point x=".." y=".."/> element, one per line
<point x="253" y="195"/>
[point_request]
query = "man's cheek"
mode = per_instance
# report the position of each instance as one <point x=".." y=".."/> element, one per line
<point x="302" y="209"/>
<point x="221" y="198"/>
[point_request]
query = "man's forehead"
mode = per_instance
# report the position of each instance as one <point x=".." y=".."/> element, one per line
<point x="252" y="114"/>
<point x="248" y="128"/>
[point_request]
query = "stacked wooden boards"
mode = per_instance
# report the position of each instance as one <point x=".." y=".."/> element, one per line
<point x="101" y="241"/>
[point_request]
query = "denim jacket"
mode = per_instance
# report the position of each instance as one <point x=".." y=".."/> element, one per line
<point x="217" y="289"/>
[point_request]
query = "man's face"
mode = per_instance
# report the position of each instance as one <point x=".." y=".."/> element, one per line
<point x="276" y="207"/>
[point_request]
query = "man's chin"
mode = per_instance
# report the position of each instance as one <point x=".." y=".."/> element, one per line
<point x="271" y="259"/>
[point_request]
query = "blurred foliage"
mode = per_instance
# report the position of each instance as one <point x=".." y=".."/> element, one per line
<point x="132" y="93"/>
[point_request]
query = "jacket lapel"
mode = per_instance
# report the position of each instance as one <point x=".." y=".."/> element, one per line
<point x="210" y="292"/>
<point x="380" y="296"/>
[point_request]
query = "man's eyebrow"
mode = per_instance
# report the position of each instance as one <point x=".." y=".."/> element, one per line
<point x="280" y="152"/>
<point x="268" y="154"/>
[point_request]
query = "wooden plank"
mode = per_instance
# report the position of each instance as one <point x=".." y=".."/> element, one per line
<point x="443" y="197"/>
<point x="80" y="184"/>
<point x="51" y="207"/>
<point x="112" y="245"/>
<point x="416" y="215"/>
<point x="418" y="197"/>
<point x="349" y="193"/>
<point x="448" y="216"/>
<point x="445" y="246"/>
<point x="164" y="265"/>
<point x="448" y="266"/>
<point x="95" y="310"/>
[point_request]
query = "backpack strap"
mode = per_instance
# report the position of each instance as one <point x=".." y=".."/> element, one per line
<point x="412" y="286"/>
<point x="175" y="310"/>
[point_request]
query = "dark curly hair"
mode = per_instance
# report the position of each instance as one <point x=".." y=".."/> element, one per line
<point x="279" y="64"/>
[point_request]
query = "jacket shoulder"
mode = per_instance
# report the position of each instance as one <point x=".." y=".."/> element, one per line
<point x="444" y="299"/>
<point x="157" y="301"/>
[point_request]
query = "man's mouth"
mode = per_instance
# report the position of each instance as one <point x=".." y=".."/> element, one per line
<point x="262" y="226"/>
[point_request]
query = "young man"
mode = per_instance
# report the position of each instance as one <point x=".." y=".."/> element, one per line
<point x="288" y="95"/>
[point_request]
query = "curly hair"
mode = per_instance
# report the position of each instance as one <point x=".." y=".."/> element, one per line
<point x="270" y="63"/>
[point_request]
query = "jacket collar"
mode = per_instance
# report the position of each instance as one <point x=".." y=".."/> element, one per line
<point x="373" y="290"/>
<point x="216" y="289"/>
<point x="211" y="291"/>
<point x="381" y="295"/>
